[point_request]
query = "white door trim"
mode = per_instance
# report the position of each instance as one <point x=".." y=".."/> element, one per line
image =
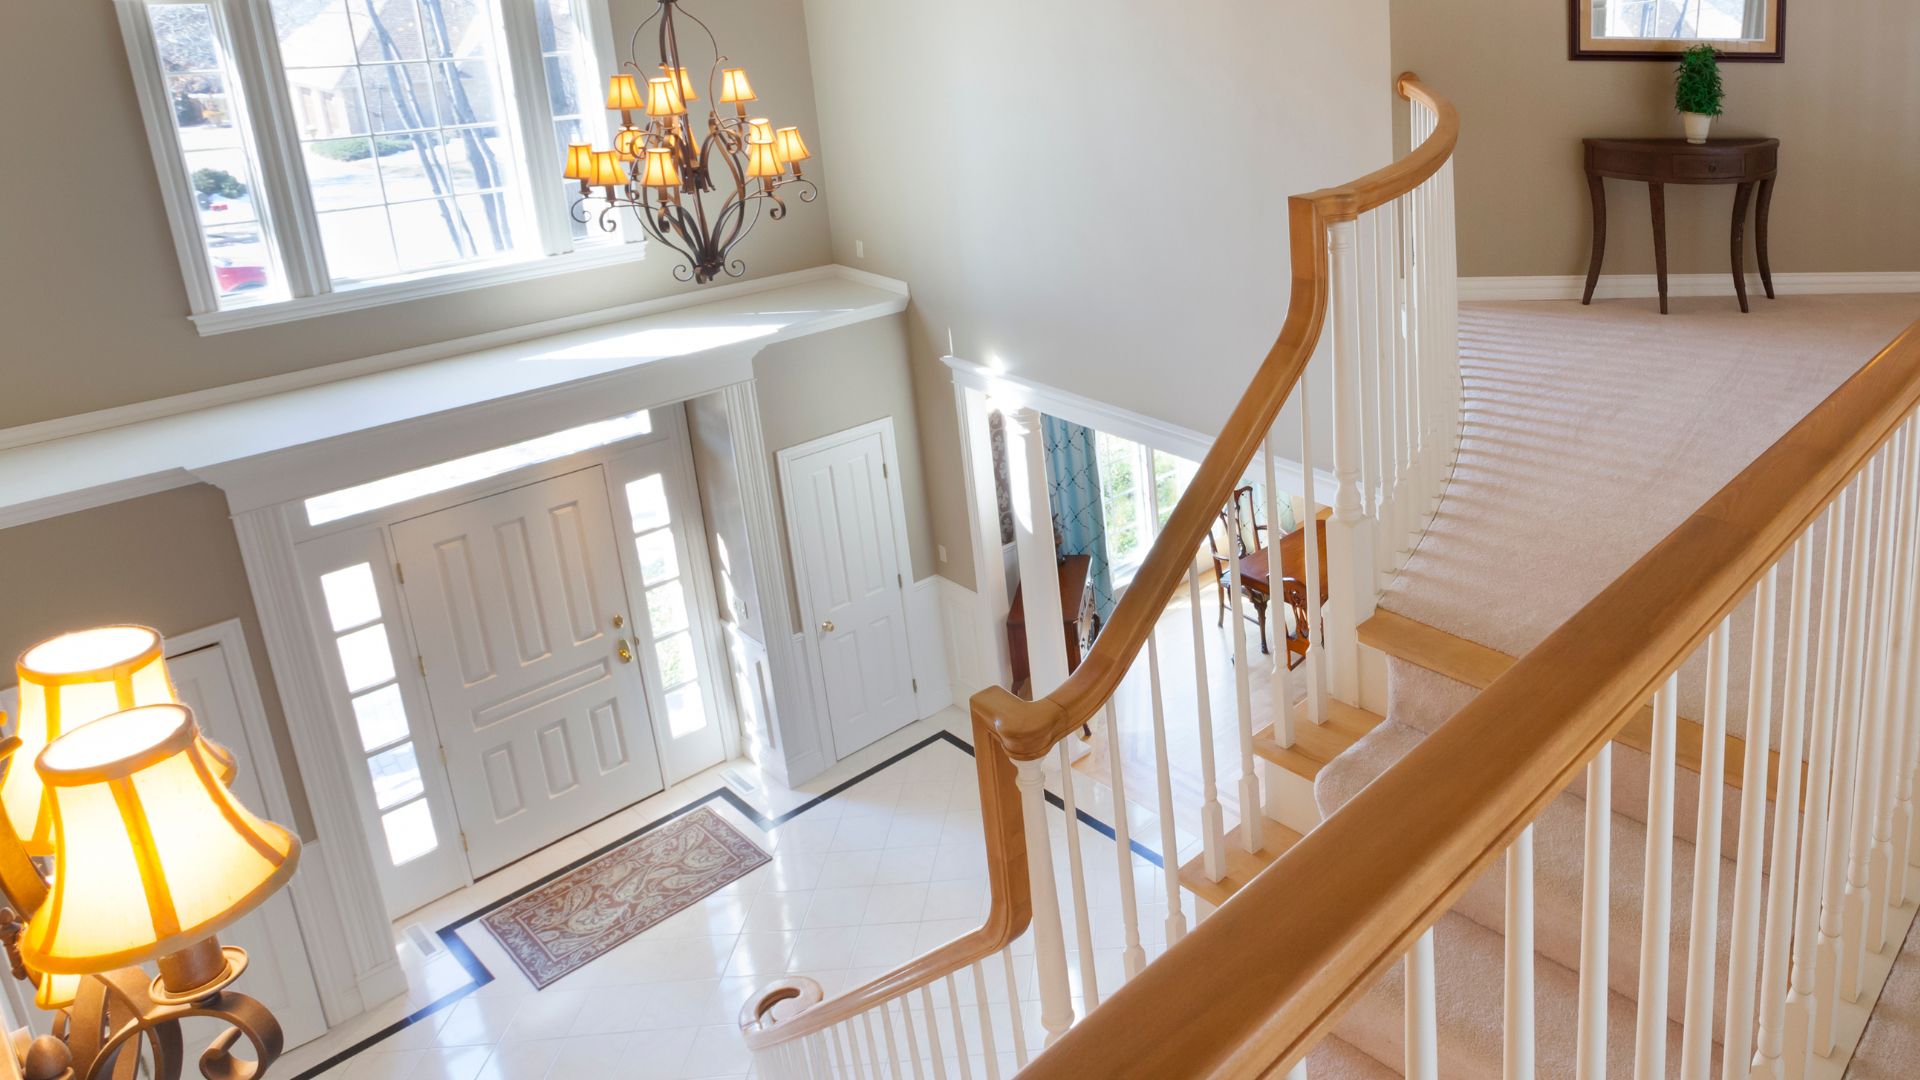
<point x="890" y="455"/>
<point x="359" y="967"/>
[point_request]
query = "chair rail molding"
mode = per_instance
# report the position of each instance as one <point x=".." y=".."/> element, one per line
<point x="364" y="971"/>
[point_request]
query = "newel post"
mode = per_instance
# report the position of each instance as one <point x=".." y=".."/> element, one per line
<point x="1351" y="581"/>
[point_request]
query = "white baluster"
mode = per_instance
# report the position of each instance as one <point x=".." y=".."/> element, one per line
<point x="1517" y="1053"/>
<point x="1406" y="320"/>
<point x="986" y="1022"/>
<point x="1872" y="702"/>
<point x="1893" y="717"/>
<point x="1135" y="956"/>
<point x="873" y="1048"/>
<point x="1049" y="944"/>
<point x="1387" y="313"/>
<point x="1169" y="839"/>
<point x="1077" y="887"/>
<point x="850" y="1052"/>
<point x="1909" y="688"/>
<point x="959" y="1030"/>
<point x="1366" y="258"/>
<point x="933" y="1035"/>
<point x="1279" y="675"/>
<point x="1349" y="537"/>
<point x="1316" y="659"/>
<point x="817" y="1056"/>
<point x="1743" y="939"/>
<point x="1212" y="822"/>
<point x="1784" y="862"/>
<point x="1826" y="970"/>
<point x="1797" y="1027"/>
<point x="1656" y="912"/>
<point x="1250" y="816"/>
<point x="1422" y="1024"/>
<point x="1697" y="1028"/>
<point x="913" y="1041"/>
<point x="1590" y="1042"/>
<point x="1018" y="1015"/>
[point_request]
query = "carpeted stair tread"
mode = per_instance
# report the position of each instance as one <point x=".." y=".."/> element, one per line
<point x="1559" y="868"/>
<point x="1336" y="1059"/>
<point x="1469" y="968"/>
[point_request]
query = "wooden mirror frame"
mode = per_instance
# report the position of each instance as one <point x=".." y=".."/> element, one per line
<point x="1581" y="45"/>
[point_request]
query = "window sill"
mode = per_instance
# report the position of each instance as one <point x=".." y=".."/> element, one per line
<point x="420" y="287"/>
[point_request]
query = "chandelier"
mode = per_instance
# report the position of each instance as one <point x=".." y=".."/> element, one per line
<point x="664" y="168"/>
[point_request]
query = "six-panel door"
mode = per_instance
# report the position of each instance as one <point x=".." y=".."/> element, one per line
<point x="520" y="607"/>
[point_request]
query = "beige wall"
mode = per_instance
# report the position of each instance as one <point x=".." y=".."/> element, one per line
<point x="169" y="561"/>
<point x="90" y="289"/>
<point x="1845" y="106"/>
<point x="716" y="472"/>
<point x="817" y="385"/>
<point x="1091" y="192"/>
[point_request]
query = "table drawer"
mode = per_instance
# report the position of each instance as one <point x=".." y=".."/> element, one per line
<point x="1703" y="167"/>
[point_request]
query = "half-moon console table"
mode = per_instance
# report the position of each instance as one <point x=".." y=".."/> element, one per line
<point x="1659" y="162"/>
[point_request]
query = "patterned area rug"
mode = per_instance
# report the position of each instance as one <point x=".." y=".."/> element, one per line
<point x="591" y="909"/>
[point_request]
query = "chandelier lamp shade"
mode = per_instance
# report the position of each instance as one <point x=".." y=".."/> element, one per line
<point x="697" y="189"/>
<point x="121" y="845"/>
<point x="67" y="682"/>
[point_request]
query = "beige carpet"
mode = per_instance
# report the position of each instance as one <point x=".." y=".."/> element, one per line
<point x="1590" y="433"/>
<point x="1890" y="1048"/>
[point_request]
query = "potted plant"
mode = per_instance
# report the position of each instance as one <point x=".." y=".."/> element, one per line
<point x="1697" y="92"/>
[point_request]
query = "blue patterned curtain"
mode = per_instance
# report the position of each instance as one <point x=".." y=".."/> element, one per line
<point x="1073" y="479"/>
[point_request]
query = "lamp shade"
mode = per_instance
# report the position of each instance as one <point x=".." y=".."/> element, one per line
<point x="663" y="97"/>
<point x="153" y="853"/>
<point x="686" y="82"/>
<point x="734" y="86"/>
<point x="662" y="171"/>
<point x="761" y="161"/>
<point x="579" y="161"/>
<point x="72" y="680"/>
<point x="607" y="170"/>
<point x="623" y="92"/>
<point x="759" y="129"/>
<point x="789" y="147"/>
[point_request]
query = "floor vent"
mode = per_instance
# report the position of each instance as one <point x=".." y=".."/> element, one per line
<point x="739" y="781"/>
<point x="424" y="939"/>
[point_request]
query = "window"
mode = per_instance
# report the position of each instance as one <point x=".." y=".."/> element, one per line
<point x="447" y="475"/>
<point x="668" y="628"/>
<point x="386" y="742"/>
<point x="1138" y="489"/>
<point x="334" y="154"/>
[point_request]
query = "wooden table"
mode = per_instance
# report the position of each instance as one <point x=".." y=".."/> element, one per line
<point x="1073" y="594"/>
<point x="1659" y="162"/>
<point x="1256" y="576"/>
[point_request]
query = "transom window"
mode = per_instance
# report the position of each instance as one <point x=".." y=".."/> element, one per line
<point x="366" y="150"/>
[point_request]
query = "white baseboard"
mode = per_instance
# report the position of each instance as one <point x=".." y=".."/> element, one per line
<point x="1642" y="286"/>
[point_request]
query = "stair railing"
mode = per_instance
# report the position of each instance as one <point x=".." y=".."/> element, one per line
<point x="1811" y="558"/>
<point x="1378" y="254"/>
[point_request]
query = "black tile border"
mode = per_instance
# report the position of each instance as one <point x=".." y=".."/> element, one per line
<point x="481" y="976"/>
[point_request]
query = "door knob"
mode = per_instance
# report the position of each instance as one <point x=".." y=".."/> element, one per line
<point x="826" y="627"/>
<point x="625" y="654"/>
<point x="619" y="621"/>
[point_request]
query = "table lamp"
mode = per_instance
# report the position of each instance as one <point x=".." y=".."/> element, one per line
<point x="151" y="856"/>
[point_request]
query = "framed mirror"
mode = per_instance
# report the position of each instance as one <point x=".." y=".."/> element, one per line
<point x="1659" y="29"/>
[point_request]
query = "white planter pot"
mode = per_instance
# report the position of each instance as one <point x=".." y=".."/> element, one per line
<point x="1698" y="124"/>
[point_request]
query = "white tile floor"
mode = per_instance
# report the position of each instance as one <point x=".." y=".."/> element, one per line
<point x="863" y="882"/>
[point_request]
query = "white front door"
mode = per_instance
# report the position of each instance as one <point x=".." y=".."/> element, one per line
<point x="520" y="608"/>
<point x="841" y="518"/>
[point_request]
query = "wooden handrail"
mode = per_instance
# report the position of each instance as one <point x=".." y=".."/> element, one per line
<point x="1031" y="728"/>
<point x="1007" y="918"/>
<point x="1278" y="965"/>
<point x="1007" y="728"/>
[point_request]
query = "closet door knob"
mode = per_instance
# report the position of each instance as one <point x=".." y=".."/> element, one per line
<point x="826" y="627"/>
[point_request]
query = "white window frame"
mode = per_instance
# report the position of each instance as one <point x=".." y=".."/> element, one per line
<point x="1146" y="514"/>
<point x="264" y="113"/>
